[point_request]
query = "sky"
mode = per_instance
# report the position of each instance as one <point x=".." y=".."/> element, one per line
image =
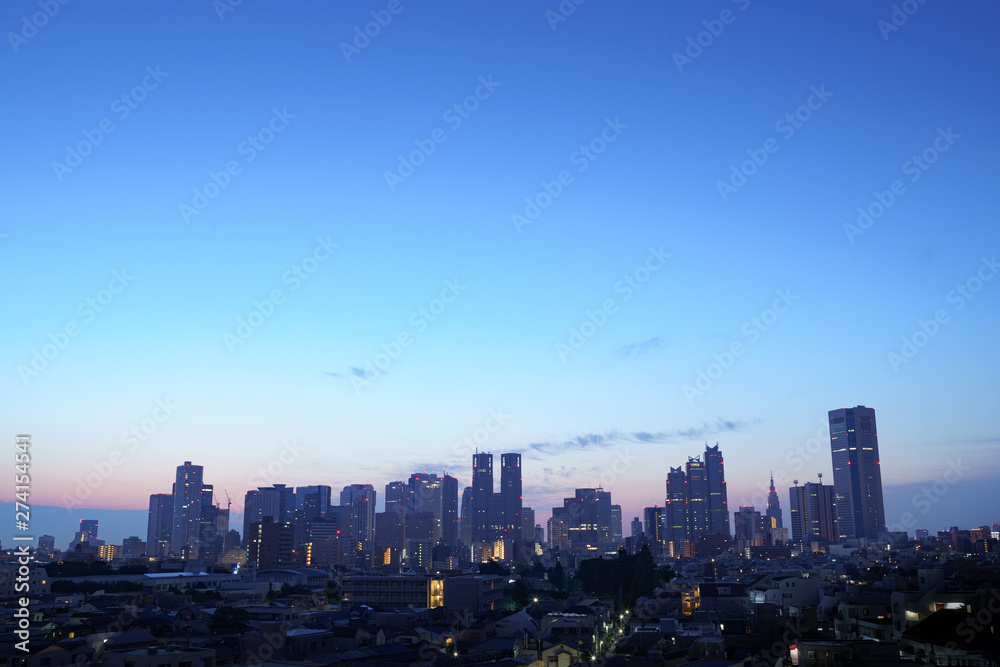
<point x="340" y="243"/>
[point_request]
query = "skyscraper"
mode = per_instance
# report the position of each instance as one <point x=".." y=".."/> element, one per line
<point x="88" y="531"/>
<point x="813" y="511"/>
<point x="276" y="502"/>
<point x="773" y="507"/>
<point x="161" y="517"/>
<point x="482" y="496"/>
<point x="449" y="510"/>
<point x="423" y="494"/>
<point x="510" y="490"/>
<point x="185" y="531"/>
<point x="697" y="501"/>
<point x="857" y="476"/>
<point x="468" y="519"/>
<point x="675" y="511"/>
<point x="360" y="499"/>
<point x="653" y="520"/>
<point x="718" y="498"/>
<point x="395" y="497"/>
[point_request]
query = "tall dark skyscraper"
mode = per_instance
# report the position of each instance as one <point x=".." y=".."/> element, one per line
<point x="88" y="530"/>
<point x="185" y="533"/>
<point x="510" y="490"/>
<point x="675" y="510"/>
<point x="857" y="476"/>
<point x="161" y="517"/>
<point x="395" y="497"/>
<point x="360" y="501"/>
<point x="468" y="519"/>
<point x="697" y="497"/>
<point x="482" y="496"/>
<point x="276" y="502"/>
<point x="718" y="498"/>
<point x="813" y="511"/>
<point x="449" y="510"/>
<point x="773" y="507"/>
<point x="423" y="495"/>
<point x="697" y="502"/>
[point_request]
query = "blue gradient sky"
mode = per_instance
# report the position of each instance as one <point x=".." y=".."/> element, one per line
<point x="621" y="395"/>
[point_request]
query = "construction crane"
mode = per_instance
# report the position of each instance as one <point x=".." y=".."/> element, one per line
<point x="229" y="501"/>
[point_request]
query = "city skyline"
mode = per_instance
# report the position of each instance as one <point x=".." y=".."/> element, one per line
<point x="327" y="257"/>
<point x="190" y="477"/>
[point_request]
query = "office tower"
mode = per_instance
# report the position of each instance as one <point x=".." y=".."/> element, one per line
<point x="718" y="498"/>
<point x="495" y="528"/>
<point x="468" y="519"/>
<point x="637" y="530"/>
<point x="510" y="490"/>
<point x="857" y="476"/>
<point x="449" y="510"/>
<point x="922" y="533"/>
<point x="604" y="516"/>
<point x="312" y="502"/>
<point x="420" y="526"/>
<point x="269" y="545"/>
<point x="749" y="526"/>
<point x="558" y="529"/>
<point x="389" y="537"/>
<point x="424" y="496"/>
<point x="813" y="511"/>
<point x="88" y="530"/>
<point x="773" y="507"/>
<point x="46" y="546"/>
<point x="276" y="502"/>
<point x="360" y="498"/>
<point x="395" y="497"/>
<point x="653" y="521"/>
<point x="697" y="497"/>
<point x="185" y="531"/>
<point x="589" y="514"/>
<point x="675" y="510"/>
<point x="482" y="496"/>
<point x="133" y="547"/>
<point x="616" y="524"/>
<point x="161" y="517"/>
<point x="527" y="525"/>
<point x="214" y="527"/>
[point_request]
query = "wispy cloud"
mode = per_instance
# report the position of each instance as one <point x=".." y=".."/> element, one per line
<point x="613" y="437"/>
<point x="638" y="349"/>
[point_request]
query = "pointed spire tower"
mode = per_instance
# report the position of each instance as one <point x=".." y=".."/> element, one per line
<point x="773" y="508"/>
